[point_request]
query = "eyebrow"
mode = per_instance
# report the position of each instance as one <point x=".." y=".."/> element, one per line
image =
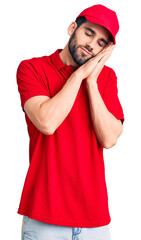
<point x="93" y="32"/>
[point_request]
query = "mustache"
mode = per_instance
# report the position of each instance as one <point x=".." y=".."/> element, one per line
<point x="89" y="50"/>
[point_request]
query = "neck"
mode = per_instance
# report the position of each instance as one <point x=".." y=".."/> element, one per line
<point x="67" y="58"/>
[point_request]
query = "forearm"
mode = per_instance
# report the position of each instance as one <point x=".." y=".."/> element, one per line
<point x="56" y="109"/>
<point x="106" y="126"/>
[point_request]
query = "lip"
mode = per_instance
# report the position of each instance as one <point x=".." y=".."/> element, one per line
<point x="85" y="51"/>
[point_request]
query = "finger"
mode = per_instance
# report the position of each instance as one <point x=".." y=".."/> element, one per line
<point x="105" y="58"/>
<point x="104" y="52"/>
<point x="101" y="63"/>
<point x="107" y="49"/>
<point x="97" y="59"/>
<point x="109" y="44"/>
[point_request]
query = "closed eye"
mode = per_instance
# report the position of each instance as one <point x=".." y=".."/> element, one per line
<point x="90" y="35"/>
<point x="102" y="44"/>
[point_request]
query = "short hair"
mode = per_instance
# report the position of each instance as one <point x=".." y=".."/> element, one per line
<point x="80" y="21"/>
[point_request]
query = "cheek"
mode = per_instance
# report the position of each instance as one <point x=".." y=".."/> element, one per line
<point x="82" y="39"/>
<point x="97" y="48"/>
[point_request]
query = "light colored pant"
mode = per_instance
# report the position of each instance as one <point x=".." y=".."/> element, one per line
<point x="36" y="230"/>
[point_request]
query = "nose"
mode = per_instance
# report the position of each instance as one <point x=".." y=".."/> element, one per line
<point x="91" y="44"/>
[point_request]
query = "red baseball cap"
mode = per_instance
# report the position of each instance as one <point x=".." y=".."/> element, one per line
<point x="103" y="16"/>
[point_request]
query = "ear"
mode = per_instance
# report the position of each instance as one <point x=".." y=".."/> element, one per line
<point x="72" y="28"/>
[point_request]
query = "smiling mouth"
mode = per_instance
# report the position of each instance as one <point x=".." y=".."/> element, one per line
<point x="86" y="51"/>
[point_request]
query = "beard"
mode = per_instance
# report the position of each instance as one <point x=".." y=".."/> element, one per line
<point x="73" y="49"/>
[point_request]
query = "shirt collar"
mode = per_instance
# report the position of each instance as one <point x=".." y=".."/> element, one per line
<point x="56" y="60"/>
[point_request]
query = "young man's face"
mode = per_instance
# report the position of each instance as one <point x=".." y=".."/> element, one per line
<point x="87" y="41"/>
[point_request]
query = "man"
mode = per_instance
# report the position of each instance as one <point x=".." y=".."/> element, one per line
<point x="72" y="112"/>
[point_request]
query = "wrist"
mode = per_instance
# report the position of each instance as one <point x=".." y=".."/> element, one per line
<point x="78" y="74"/>
<point x="92" y="83"/>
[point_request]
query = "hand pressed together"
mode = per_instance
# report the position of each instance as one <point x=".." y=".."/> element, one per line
<point x="92" y="68"/>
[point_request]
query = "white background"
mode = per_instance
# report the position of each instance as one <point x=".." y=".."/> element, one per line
<point x="36" y="28"/>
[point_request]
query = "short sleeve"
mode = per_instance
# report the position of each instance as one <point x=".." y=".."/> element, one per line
<point x="29" y="80"/>
<point x="111" y="98"/>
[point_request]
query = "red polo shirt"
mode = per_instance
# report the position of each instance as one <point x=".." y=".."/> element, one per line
<point x="65" y="183"/>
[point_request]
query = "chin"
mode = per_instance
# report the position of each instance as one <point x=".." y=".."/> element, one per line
<point x="81" y="62"/>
